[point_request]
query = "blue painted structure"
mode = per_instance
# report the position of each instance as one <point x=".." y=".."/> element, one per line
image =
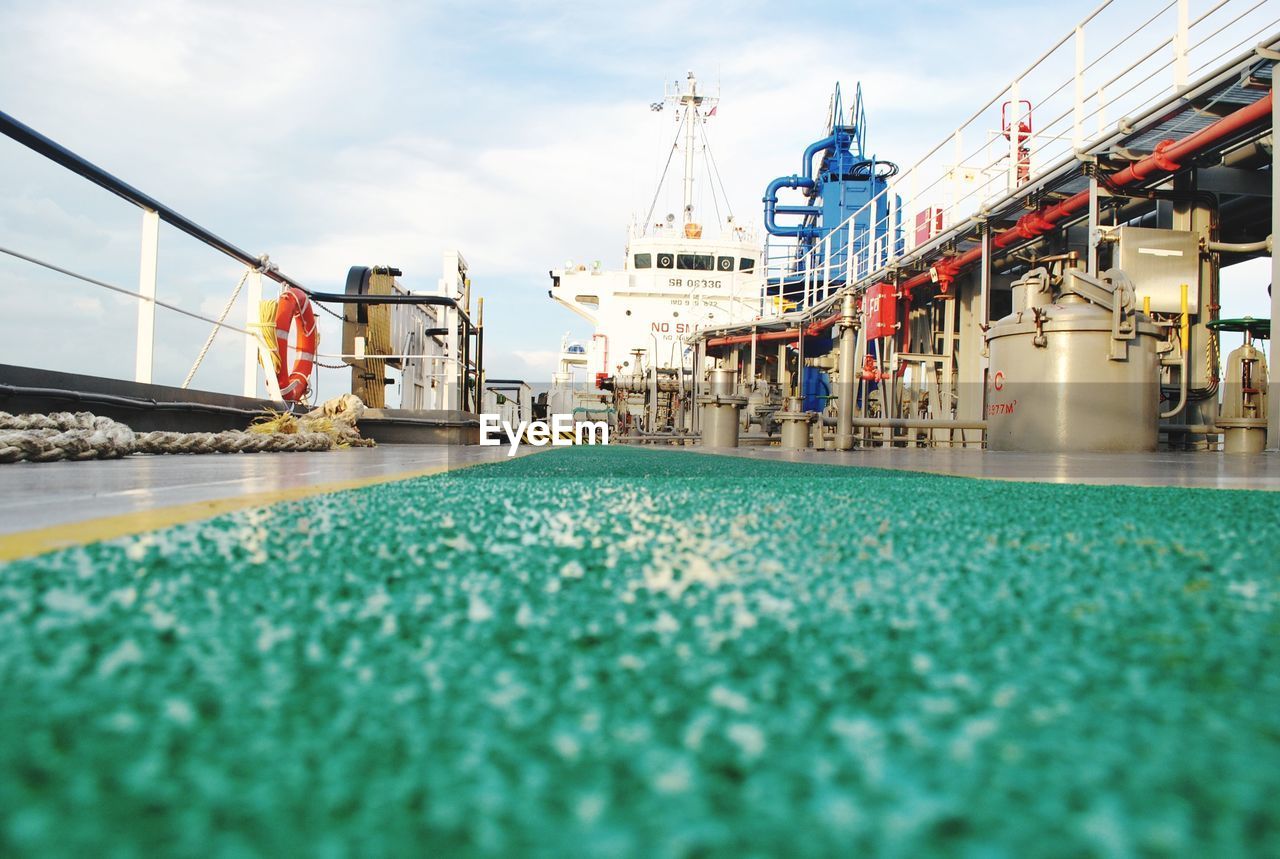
<point x="837" y="186"/>
<point x="815" y="389"/>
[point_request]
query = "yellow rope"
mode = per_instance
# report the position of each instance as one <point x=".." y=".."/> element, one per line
<point x="265" y="328"/>
<point x="378" y="341"/>
<point x="335" y="419"/>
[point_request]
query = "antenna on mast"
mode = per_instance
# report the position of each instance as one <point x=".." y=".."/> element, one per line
<point x="690" y="101"/>
<point x="692" y="108"/>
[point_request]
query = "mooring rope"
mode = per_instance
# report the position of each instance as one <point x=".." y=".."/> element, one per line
<point x="222" y="317"/>
<point x="82" y="435"/>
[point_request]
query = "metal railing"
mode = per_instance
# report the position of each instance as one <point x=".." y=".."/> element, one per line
<point x="257" y="267"/>
<point x="1096" y="74"/>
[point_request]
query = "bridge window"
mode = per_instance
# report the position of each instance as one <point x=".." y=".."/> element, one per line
<point x="746" y="264"/>
<point x="695" y="262"/>
<point x="644" y="260"/>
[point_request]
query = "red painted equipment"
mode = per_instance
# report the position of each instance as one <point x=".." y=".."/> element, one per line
<point x="1166" y="159"/>
<point x="1024" y="135"/>
<point x="604" y="361"/>
<point x="928" y="224"/>
<point x="871" y="370"/>
<point x="880" y="311"/>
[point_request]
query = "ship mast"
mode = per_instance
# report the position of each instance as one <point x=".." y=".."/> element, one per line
<point x="690" y="100"/>
<point x="691" y="104"/>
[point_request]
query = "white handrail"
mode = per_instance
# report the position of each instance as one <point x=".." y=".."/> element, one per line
<point x="895" y="224"/>
<point x="120" y="289"/>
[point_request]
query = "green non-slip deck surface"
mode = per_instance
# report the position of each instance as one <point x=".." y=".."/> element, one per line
<point x="633" y="652"/>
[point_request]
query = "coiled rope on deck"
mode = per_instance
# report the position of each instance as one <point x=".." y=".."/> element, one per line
<point x="82" y="435"/>
<point x="63" y="435"/>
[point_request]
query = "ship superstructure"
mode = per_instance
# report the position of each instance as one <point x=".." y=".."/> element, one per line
<point x="679" y="275"/>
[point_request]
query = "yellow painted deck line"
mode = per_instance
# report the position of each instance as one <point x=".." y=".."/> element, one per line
<point x="25" y="544"/>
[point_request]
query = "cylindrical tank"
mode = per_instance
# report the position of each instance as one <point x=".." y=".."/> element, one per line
<point x="795" y="424"/>
<point x="720" y="416"/>
<point x="721" y="409"/>
<point x="1052" y="385"/>
<point x="722" y="381"/>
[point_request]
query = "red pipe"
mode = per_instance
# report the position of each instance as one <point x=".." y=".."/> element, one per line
<point x="812" y="330"/>
<point x="822" y="325"/>
<point x="1169" y="155"/>
<point x="764" y="337"/>
<point x="1167" y="158"/>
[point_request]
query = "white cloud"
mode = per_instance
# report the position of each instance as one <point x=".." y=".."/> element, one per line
<point x="86" y="306"/>
<point x="333" y="135"/>
<point x="537" y="365"/>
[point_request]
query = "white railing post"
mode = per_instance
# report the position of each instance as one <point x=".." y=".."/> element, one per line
<point x="826" y="264"/>
<point x="1077" y="110"/>
<point x="147" y="305"/>
<point x="849" y="277"/>
<point x="955" y="180"/>
<point x="892" y="231"/>
<point x="1181" y="71"/>
<point x="807" y="261"/>
<point x="251" y="343"/>
<point x="873" y="257"/>
<point x="1014" y="135"/>
<point x="1102" y="111"/>
<point x="860" y="254"/>
<point x="913" y="208"/>
<point x="812" y="267"/>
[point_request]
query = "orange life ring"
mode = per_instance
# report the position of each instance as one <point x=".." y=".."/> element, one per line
<point x="295" y="381"/>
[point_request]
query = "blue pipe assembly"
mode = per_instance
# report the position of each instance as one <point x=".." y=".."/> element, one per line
<point x="837" y="179"/>
<point x="771" y="208"/>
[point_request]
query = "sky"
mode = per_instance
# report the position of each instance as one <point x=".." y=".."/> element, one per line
<point x="384" y="133"/>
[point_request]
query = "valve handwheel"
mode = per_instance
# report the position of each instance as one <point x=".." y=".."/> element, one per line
<point x="1258" y="329"/>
